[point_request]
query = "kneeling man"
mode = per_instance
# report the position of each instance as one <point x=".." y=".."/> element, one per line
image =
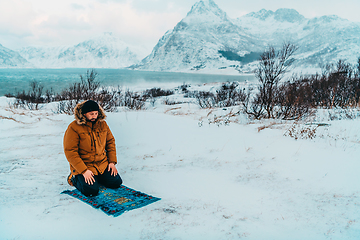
<point x="89" y="147"/>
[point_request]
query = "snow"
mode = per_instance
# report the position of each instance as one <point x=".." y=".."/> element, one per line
<point x="247" y="179"/>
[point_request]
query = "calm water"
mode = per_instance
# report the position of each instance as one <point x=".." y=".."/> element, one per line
<point x="15" y="80"/>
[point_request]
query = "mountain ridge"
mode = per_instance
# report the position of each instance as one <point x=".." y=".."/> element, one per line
<point x="282" y="14"/>
<point x="208" y="40"/>
<point x="321" y="40"/>
<point x="198" y="42"/>
<point x="103" y="51"/>
<point x="11" y="59"/>
<point x="206" y="7"/>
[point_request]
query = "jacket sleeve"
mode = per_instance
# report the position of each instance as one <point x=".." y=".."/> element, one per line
<point x="71" y="149"/>
<point x="110" y="146"/>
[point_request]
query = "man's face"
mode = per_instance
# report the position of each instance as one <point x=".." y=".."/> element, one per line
<point x="92" y="116"/>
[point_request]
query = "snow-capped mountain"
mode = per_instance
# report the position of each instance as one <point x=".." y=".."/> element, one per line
<point x="208" y="39"/>
<point x="320" y="40"/>
<point x="105" y="51"/>
<point x="330" y="38"/>
<point x="273" y="27"/>
<point x="205" y="39"/>
<point x="10" y="58"/>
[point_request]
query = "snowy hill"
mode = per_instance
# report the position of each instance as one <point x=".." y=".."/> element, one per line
<point x="208" y="40"/>
<point x="105" y="51"/>
<point x="10" y="58"/>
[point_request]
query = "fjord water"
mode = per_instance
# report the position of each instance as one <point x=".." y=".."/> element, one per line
<point x="16" y="80"/>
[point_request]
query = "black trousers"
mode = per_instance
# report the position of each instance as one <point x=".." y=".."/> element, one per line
<point x="105" y="179"/>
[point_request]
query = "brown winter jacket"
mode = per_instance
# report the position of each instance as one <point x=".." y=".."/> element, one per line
<point x="89" y="145"/>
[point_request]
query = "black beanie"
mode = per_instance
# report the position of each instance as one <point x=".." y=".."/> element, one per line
<point x="89" y="106"/>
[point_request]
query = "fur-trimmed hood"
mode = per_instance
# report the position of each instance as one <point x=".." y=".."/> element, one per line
<point x="81" y="119"/>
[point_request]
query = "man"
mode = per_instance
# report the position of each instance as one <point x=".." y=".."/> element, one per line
<point x="89" y="147"/>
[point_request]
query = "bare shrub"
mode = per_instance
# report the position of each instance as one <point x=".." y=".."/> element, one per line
<point x="190" y="94"/>
<point x="157" y="92"/>
<point x="253" y="106"/>
<point x="292" y="100"/>
<point x="74" y="92"/>
<point x="30" y="100"/>
<point x="184" y="88"/>
<point x="338" y="86"/>
<point x="133" y="100"/>
<point x="273" y="64"/>
<point x="66" y="106"/>
<point x="109" y="98"/>
<point x="343" y="113"/>
<point x="153" y="93"/>
<point x="89" y="88"/>
<point x="89" y="84"/>
<point x="167" y="101"/>
<point x="205" y="99"/>
<point x="152" y="101"/>
<point x="228" y="95"/>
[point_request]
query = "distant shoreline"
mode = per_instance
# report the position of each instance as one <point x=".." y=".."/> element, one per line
<point x="13" y="80"/>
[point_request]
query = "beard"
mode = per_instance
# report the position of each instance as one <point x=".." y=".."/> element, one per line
<point x="91" y="119"/>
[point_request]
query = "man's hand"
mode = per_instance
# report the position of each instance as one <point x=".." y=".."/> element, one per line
<point x="89" y="177"/>
<point x="112" y="169"/>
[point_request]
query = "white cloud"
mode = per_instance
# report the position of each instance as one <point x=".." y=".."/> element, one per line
<point x="16" y="17"/>
<point x="66" y="23"/>
<point x="44" y="22"/>
<point x="77" y="6"/>
<point x="131" y="23"/>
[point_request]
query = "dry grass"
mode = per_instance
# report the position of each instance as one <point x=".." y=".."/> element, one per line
<point x="172" y="109"/>
<point x="266" y="126"/>
<point x="10" y="118"/>
<point x="299" y="131"/>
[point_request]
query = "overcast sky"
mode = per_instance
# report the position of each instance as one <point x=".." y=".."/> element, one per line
<point x="68" y="22"/>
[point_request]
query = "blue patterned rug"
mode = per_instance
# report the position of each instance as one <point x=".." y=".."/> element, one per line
<point x="115" y="202"/>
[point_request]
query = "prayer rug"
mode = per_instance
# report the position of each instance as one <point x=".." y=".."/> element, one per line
<point x="115" y="202"/>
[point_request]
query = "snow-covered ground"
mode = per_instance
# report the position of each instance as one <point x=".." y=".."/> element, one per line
<point x="242" y="180"/>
